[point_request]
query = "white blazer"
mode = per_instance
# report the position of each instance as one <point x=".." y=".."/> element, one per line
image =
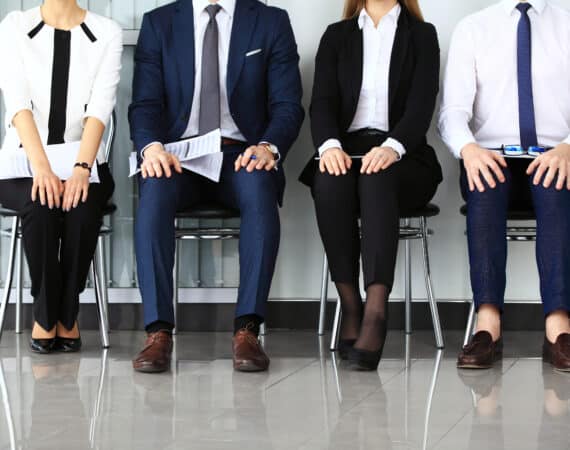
<point x="63" y="77"/>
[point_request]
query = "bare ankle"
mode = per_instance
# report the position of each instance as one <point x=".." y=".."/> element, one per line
<point x="38" y="332"/>
<point x="489" y="319"/>
<point x="557" y="323"/>
<point x="63" y="332"/>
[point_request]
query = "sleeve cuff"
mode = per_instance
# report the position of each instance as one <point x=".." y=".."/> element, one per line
<point x="328" y="144"/>
<point x="147" y="146"/>
<point x="15" y="108"/>
<point x="567" y="140"/>
<point x="101" y="114"/>
<point x="396" y="145"/>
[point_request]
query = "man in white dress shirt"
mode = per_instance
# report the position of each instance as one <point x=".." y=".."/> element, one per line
<point x="507" y="85"/>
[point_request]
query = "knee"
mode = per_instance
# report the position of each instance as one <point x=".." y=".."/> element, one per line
<point x="258" y="193"/>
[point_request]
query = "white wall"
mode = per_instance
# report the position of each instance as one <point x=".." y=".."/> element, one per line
<point x="299" y="265"/>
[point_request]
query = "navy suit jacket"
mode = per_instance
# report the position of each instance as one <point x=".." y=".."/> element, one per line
<point x="264" y="90"/>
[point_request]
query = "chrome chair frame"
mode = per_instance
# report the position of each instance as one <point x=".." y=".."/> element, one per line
<point x="201" y="233"/>
<point x="98" y="266"/>
<point x="518" y="234"/>
<point x="408" y="233"/>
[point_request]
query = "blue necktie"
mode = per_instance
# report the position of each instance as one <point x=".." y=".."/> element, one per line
<point x="524" y="71"/>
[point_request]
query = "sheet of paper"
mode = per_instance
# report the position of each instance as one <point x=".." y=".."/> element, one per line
<point x="62" y="158"/>
<point x="201" y="155"/>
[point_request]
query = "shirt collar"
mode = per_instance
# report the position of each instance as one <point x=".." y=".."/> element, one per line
<point x="228" y="6"/>
<point x="510" y="5"/>
<point x="393" y="16"/>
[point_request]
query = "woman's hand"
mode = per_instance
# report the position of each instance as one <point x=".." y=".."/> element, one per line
<point x="335" y="161"/>
<point x="76" y="188"/>
<point x="377" y="159"/>
<point x="47" y="187"/>
<point x="552" y="163"/>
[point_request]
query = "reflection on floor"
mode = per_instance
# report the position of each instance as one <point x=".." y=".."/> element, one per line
<point x="416" y="400"/>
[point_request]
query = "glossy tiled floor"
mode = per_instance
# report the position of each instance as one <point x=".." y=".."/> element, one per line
<point x="306" y="401"/>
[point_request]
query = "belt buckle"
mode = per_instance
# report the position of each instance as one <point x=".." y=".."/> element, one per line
<point x="536" y="150"/>
<point x="513" y="150"/>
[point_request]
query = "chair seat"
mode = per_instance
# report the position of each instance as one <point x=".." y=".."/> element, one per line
<point x="512" y="215"/>
<point x="5" y="212"/>
<point x="109" y="209"/>
<point x="430" y="210"/>
<point x="208" y="211"/>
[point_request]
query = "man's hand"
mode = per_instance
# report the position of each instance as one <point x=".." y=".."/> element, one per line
<point x="47" y="186"/>
<point x="335" y="161"/>
<point x="157" y="162"/>
<point x="256" y="157"/>
<point x="377" y="159"/>
<point x="75" y="188"/>
<point x="478" y="162"/>
<point x="555" y="161"/>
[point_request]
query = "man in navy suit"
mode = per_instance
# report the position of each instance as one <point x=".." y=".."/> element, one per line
<point x="203" y="65"/>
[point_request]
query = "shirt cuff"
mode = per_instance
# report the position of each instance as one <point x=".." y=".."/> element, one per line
<point x="273" y="149"/>
<point x="567" y="140"/>
<point x="147" y="146"/>
<point x="330" y="143"/>
<point x="397" y="146"/>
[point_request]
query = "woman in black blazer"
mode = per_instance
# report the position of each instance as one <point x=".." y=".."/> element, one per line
<point x="375" y="88"/>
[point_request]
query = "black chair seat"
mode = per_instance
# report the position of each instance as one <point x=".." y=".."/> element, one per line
<point x="208" y="211"/>
<point x="430" y="210"/>
<point x="512" y="215"/>
<point x="110" y="209"/>
<point x="5" y="212"/>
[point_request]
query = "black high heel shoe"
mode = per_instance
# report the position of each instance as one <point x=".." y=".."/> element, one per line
<point x="42" y="346"/>
<point x="364" y="360"/>
<point x="67" y="345"/>
<point x="344" y="347"/>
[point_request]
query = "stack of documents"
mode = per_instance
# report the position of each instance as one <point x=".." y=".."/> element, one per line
<point x="14" y="163"/>
<point x="201" y="155"/>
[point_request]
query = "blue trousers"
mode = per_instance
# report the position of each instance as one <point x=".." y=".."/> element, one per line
<point x="254" y="194"/>
<point x="486" y="234"/>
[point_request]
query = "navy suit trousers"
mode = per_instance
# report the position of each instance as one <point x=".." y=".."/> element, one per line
<point x="255" y="195"/>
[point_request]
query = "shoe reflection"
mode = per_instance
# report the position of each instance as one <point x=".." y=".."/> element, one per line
<point x="46" y="396"/>
<point x="555" y="415"/>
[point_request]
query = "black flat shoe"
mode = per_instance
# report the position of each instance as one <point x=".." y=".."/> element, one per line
<point x="42" y="346"/>
<point x="67" y="345"/>
<point x="344" y="347"/>
<point x="363" y="360"/>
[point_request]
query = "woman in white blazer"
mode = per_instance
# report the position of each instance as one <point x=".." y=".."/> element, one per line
<point x="60" y="70"/>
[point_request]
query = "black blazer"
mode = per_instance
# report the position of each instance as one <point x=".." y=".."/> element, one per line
<point x="413" y="87"/>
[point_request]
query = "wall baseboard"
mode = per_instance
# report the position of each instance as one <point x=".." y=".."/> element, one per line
<point x="292" y="315"/>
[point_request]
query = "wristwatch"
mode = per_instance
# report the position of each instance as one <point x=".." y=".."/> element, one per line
<point x="83" y="165"/>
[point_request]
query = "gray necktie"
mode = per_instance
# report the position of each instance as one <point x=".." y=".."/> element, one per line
<point x="210" y="91"/>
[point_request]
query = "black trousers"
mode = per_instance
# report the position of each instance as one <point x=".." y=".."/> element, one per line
<point x="59" y="246"/>
<point x="378" y="200"/>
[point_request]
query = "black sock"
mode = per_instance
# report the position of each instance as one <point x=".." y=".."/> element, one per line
<point x="159" y="326"/>
<point x="250" y="322"/>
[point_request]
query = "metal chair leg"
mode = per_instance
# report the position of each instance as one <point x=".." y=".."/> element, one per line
<point x="429" y="287"/>
<point x="408" y="281"/>
<point x="175" y="277"/>
<point x="10" y="273"/>
<point x="98" y="299"/>
<point x="19" y="285"/>
<point x="336" y="326"/>
<point x="103" y="283"/>
<point x="470" y="324"/>
<point x="324" y="295"/>
<point x="263" y="329"/>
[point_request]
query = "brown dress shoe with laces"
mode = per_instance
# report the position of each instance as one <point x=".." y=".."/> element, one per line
<point x="558" y="354"/>
<point x="248" y="353"/>
<point x="156" y="355"/>
<point x="481" y="352"/>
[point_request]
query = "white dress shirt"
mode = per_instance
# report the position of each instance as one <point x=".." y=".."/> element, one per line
<point x="27" y="69"/>
<point x="480" y="95"/>
<point x="373" y="104"/>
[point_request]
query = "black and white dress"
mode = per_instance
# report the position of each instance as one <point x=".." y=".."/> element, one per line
<point x="63" y="77"/>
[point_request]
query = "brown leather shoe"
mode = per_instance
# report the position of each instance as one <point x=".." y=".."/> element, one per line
<point x="156" y="355"/>
<point x="248" y="353"/>
<point x="481" y="352"/>
<point x="558" y="354"/>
